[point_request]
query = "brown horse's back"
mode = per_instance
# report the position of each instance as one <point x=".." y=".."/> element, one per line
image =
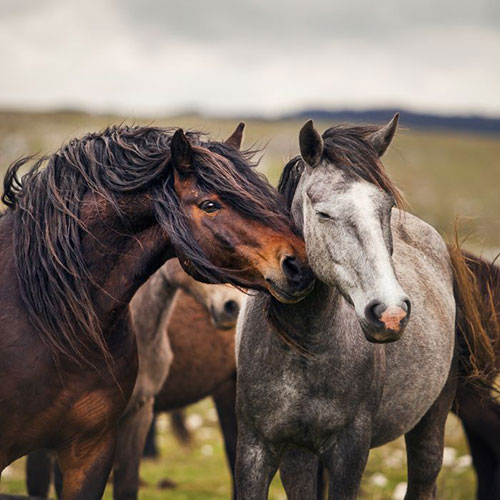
<point x="203" y="356"/>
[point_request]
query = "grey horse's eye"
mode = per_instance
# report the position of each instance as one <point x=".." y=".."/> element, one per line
<point x="322" y="215"/>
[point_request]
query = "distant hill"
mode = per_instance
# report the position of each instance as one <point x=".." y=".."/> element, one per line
<point x="471" y="123"/>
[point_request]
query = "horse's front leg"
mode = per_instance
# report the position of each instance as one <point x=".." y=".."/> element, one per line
<point x="425" y="444"/>
<point x="256" y="464"/>
<point x="38" y="473"/>
<point x="299" y="473"/>
<point x="346" y="460"/>
<point x="225" y="402"/>
<point x="86" y="464"/>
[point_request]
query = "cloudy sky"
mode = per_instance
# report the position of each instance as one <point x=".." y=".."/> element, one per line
<point x="259" y="56"/>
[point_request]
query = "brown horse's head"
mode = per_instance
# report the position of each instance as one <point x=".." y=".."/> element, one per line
<point x="222" y="302"/>
<point x="230" y="225"/>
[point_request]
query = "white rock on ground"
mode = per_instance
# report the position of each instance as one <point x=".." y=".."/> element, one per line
<point x="399" y="491"/>
<point x="449" y="456"/>
<point x="379" y="479"/>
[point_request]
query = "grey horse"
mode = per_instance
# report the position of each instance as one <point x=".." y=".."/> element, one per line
<point x="320" y="378"/>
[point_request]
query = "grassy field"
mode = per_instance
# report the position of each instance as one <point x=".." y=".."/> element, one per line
<point x="443" y="176"/>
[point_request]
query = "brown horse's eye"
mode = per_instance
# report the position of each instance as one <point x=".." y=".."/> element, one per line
<point x="209" y="206"/>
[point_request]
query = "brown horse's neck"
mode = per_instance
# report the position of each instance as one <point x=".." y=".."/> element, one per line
<point x="121" y="253"/>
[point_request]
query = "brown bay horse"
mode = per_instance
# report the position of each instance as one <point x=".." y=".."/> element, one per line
<point x="83" y="230"/>
<point x="169" y="292"/>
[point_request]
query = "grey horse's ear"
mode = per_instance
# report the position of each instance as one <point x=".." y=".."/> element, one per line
<point x="181" y="152"/>
<point x="236" y="138"/>
<point x="311" y="144"/>
<point x="381" y="138"/>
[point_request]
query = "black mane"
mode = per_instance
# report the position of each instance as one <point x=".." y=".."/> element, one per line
<point x="53" y="275"/>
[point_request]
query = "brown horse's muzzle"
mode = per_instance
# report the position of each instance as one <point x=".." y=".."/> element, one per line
<point x="293" y="283"/>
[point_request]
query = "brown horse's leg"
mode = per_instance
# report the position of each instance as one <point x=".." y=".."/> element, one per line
<point x="85" y="465"/>
<point x="150" y="447"/>
<point x="480" y="417"/>
<point x="38" y="473"/>
<point x="485" y="464"/>
<point x="299" y="473"/>
<point x="425" y="444"/>
<point x="132" y="434"/>
<point x="225" y="400"/>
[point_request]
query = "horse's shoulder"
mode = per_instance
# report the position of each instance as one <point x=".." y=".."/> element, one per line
<point x="413" y="232"/>
<point x="420" y="253"/>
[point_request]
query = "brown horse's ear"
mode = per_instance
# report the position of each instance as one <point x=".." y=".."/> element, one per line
<point x="181" y="152"/>
<point x="381" y="138"/>
<point x="311" y="144"/>
<point x="236" y="138"/>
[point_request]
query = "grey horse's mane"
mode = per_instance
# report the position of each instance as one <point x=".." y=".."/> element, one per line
<point x="347" y="147"/>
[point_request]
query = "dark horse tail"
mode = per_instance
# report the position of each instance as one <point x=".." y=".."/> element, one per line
<point x="477" y="295"/>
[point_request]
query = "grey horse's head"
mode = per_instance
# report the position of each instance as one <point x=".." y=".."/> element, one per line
<point x="343" y="202"/>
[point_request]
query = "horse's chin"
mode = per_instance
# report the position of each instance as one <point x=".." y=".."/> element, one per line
<point x="223" y="325"/>
<point x="287" y="297"/>
<point x="380" y="337"/>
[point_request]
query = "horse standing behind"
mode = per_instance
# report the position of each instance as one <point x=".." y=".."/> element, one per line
<point x="153" y="307"/>
<point x="319" y="386"/>
<point x="204" y="365"/>
<point x="474" y="404"/>
<point x="82" y="232"/>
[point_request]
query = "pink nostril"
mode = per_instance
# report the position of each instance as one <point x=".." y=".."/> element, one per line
<point x="392" y="317"/>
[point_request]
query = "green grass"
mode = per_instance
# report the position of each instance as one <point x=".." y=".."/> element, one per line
<point x="442" y="175"/>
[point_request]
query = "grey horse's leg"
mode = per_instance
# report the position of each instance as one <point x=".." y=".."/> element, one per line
<point x="299" y="473"/>
<point x="425" y="444"/>
<point x="256" y="464"/>
<point x="131" y="438"/>
<point x="347" y="459"/>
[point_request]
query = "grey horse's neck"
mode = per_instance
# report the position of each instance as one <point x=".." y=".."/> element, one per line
<point x="303" y="322"/>
<point x="152" y="303"/>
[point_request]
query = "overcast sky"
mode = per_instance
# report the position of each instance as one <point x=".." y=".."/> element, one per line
<point x="261" y="56"/>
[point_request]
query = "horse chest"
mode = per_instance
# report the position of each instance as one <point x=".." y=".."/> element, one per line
<point x="307" y="405"/>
